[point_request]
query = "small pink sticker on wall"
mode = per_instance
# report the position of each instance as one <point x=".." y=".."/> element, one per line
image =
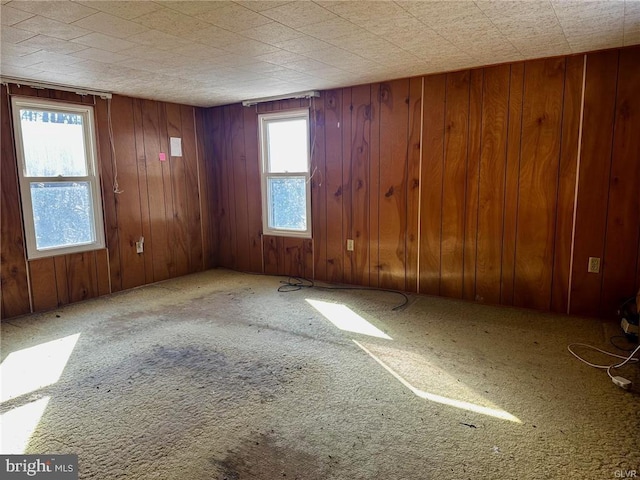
<point x="163" y="156"/>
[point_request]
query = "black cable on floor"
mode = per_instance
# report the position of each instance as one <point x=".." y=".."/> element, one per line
<point x="294" y="284"/>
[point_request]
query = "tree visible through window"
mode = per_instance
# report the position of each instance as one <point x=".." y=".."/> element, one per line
<point x="58" y="178"/>
<point x="284" y="138"/>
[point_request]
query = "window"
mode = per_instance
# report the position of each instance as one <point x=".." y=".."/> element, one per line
<point x="59" y="184"/>
<point x="284" y="157"/>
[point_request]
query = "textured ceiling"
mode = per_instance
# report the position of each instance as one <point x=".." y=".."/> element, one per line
<point x="217" y="52"/>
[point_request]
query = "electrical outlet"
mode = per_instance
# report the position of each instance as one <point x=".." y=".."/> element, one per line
<point x="140" y="245"/>
<point x="350" y="245"/>
<point x="594" y="265"/>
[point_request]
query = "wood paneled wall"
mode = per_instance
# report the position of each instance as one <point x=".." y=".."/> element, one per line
<point x="488" y="184"/>
<point x="160" y="201"/>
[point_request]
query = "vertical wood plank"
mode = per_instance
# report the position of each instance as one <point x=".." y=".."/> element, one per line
<point x="206" y="186"/>
<point x="318" y="188"/>
<point x="238" y="195"/>
<point x="161" y="247"/>
<point x="347" y="191"/>
<point x="180" y="203"/>
<point x="360" y="189"/>
<point x="62" y="286"/>
<point x="13" y="265"/>
<point x="622" y="234"/>
<point x="81" y="276"/>
<point x="194" y="219"/>
<point x="512" y="173"/>
<point x="593" y="181"/>
<point x="42" y="273"/>
<point x="495" y="114"/>
<point x="170" y="225"/>
<point x="453" y="183"/>
<point x="293" y="256"/>
<point x="333" y="149"/>
<point x="143" y="189"/>
<point x="108" y="196"/>
<point x="476" y="88"/>
<point x="413" y="182"/>
<point x="254" y="200"/>
<point x="271" y="254"/>
<point x="218" y="187"/>
<point x="567" y="182"/>
<point x="128" y="201"/>
<point x="374" y="188"/>
<point x="431" y="181"/>
<point x="537" y="199"/>
<point x="228" y="189"/>
<point x="102" y="272"/>
<point x="394" y="119"/>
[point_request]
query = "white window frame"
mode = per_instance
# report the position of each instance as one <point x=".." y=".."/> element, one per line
<point x="92" y="177"/>
<point x="263" y="120"/>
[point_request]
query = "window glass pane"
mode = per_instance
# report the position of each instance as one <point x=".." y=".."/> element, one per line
<point x="53" y="143"/>
<point x="287" y="203"/>
<point x="62" y="214"/>
<point x="288" y="145"/>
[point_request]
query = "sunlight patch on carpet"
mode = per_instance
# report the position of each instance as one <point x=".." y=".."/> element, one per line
<point x="441" y="399"/>
<point x="30" y="369"/>
<point x="18" y="424"/>
<point x="346" y="319"/>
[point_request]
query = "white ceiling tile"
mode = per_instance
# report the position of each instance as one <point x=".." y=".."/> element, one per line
<point x="50" y="58"/>
<point x="260" y="5"/>
<point x="304" y="44"/>
<point x="199" y="51"/>
<point x="250" y="48"/>
<point x="18" y="72"/>
<point x="16" y="50"/>
<point x="11" y="16"/>
<point x="123" y="9"/>
<point x="272" y="33"/>
<point x="103" y="42"/>
<point x="15" y="35"/>
<point x="234" y="17"/>
<point x="194" y="8"/>
<point x="172" y="22"/>
<point x="298" y="14"/>
<point x="63" y="11"/>
<point x="330" y="29"/>
<point x="98" y="55"/>
<point x="53" y="28"/>
<point x="110" y="25"/>
<point x="50" y="44"/>
<point x="631" y="22"/>
<point x="158" y="39"/>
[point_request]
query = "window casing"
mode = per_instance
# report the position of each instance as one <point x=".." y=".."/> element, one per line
<point x="284" y="160"/>
<point x="58" y="174"/>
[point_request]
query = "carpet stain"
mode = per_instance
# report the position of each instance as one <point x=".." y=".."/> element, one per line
<point x="263" y="458"/>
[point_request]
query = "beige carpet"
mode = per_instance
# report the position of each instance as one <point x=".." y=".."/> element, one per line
<point x="218" y="376"/>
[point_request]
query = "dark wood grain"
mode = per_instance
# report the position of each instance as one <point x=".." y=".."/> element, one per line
<point x="413" y="183"/>
<point x="254" y="203"/>
<point x="453" y="184"/>
<point x="360" y="190"/>
<point x="567" y="182"/>
<point x="511" y="179"/>
<point x="476" y="87"/>
<point x="622" y="233"/>
<point x="431" y="181"/>
<point x="346" y="186"/>
<point x="333" y="182"/>
<point x="318" y="188"/>
<point x="13" y="266"/>
<point x="42" y="273"/>
<point x="374" y="188"/>
<point x="394" y="119"/>
<point x="593" y="181"/>
<point x="537" y="197"/>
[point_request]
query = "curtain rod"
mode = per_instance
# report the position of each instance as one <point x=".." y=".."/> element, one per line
<point x="255" y="101"/>
<point x="64" y="88"/>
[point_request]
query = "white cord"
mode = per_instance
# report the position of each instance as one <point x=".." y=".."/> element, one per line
<point x="114" y="162"/>
<point x="604" y="367"/>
